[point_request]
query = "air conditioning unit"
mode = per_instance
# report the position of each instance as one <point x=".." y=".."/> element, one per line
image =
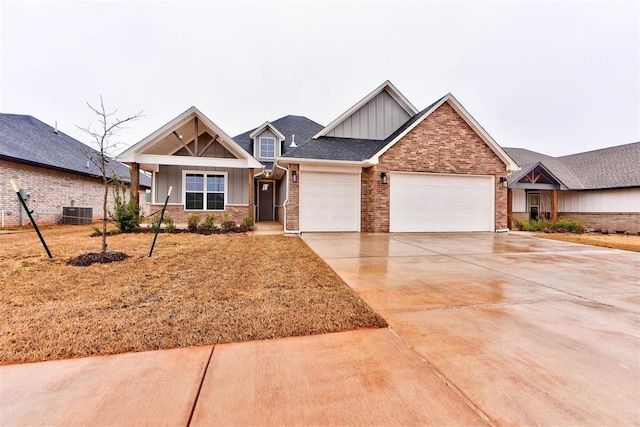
<point x="77" y="215"/>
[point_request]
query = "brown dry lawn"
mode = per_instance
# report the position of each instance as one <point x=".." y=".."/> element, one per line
<point x="196" y="290"/>
<point x="615" y="241"/>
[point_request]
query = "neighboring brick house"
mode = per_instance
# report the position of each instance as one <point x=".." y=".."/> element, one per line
<point x="599" y="188"/>
<point x="53" y="172"/>
<point x="382" y="166"/>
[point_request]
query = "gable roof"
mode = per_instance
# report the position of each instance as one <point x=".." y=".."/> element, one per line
<point x="386" y="86"/>
<point x="359" y="150"/>
<point x="464" y="114"/>
<point x="190" y="114"/>
<point x="300" y="126"/>
<point x="613" y="167"/>
<point x="266" y="125"/>
<point x="26" y="139"/>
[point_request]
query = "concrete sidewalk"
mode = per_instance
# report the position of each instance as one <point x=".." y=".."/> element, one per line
<point x="358" y="377"/>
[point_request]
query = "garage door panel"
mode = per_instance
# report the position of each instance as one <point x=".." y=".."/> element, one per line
<point x="329" y="201"/>
<point x="433" y="203"/>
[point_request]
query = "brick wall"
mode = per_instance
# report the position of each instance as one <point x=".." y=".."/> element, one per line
<point x="180" y="216"/>
<point x="611" y="222"/>
<point x="442" y="143"/>
<point x="293" y="205"/>
<point x="50" y="191"/>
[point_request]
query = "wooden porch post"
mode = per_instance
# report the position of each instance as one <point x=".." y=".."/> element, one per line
<point x="509" y="207"/>
<point x="250" y="212"/>
<point x="554" y="205"/>
<point x="135" y="184"/>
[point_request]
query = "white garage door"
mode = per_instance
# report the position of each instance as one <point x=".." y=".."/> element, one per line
<point x="329" y="201"/>
<point x="435" y="202"/>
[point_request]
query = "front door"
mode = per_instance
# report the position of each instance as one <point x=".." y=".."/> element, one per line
<point x="265" y="201"/>
<point x="534" y="205"/>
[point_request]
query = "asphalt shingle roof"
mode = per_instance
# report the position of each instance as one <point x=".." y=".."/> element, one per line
<point x="26" y="139"/>
<point x="350" y="149"/>
<point x="302" y="127"/>
<point x="613" y="167"/>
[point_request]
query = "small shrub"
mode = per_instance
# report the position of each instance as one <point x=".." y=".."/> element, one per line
<point x="192" y="222"/>
<point x="209" y="223"/>
<point x="154" y="220"/>
<point x="548" y="226"/>
<point x="96" y="232"/>
<point x="248" y="223"/>
<point x="126" y="214"/>
<point x="168" y="223"/>
<point x="242" y="228"/>
<point x="227" y="224"/>
<point x="567" y="226"/>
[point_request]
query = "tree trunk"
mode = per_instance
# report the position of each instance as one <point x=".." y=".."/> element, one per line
<point x="104" y="217"/>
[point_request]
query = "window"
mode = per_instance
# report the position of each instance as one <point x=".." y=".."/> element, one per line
<point x="267" y="148"/>
<point x="204" y="191"/>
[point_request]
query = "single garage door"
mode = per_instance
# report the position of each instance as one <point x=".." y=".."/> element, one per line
<point x="329" y="201"/>
<point x="441" y="202"/>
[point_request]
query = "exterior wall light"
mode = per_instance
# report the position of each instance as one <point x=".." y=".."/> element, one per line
<point x="503" y="181"/>
<point x="294" y="176"/>
<point x="383" y="177"/>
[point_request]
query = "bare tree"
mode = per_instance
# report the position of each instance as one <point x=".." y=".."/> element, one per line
<point x="108" y="126"/>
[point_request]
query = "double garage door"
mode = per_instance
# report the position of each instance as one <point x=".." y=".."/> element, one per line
<point x="330" y="201"/>
<point x="441" y="202"/>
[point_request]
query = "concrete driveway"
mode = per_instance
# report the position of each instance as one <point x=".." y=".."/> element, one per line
<point x="530" y="331"/>
<point x="485" y="330"/>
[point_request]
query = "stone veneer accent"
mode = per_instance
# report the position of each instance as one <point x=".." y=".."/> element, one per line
<point x="441" y="143"/>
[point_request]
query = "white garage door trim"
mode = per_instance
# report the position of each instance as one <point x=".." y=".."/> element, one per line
<point x="424" y="202"/>
<point x="329" y="201"/>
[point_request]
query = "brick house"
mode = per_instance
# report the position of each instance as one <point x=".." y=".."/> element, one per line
<point x="53" y="172"/>
<point x="381" y="166"/>
<point x="599" y="188"/>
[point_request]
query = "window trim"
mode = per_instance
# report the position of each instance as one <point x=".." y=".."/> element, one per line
<point x="205" y="173"/>
<point x="275" y="151"/>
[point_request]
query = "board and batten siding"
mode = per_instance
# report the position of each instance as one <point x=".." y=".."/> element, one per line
<point x="618" y="200"/>
<point x="265" y="134"/>
<point x="587" y="201"/>
<point x="237" y="188"/>
<point x="377" y="119"/>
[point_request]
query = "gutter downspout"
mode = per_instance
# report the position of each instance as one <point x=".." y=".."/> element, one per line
<point x="286" y="200"/>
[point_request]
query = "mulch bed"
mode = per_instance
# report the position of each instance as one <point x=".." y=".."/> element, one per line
<point x="86" y="260"/>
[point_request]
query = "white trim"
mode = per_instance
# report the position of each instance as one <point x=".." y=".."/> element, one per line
<point x="129" y="155"/>
<point x="331" y="168"/>
<point x="262" y="127"/>
<point x="391" y="90"/>
<point x="479" y="130"/>
<point x="211" y="162"/>
<point x="204" y="201"/>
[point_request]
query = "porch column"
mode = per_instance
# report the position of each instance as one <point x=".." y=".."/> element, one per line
<point x="554" y="205"/>
<point x="135" y="184"/>
<point x="509" y="207"/>
<point x="250" y="178"/>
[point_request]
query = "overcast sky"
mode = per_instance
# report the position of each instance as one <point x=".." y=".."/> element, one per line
<point x="554" y="77"/>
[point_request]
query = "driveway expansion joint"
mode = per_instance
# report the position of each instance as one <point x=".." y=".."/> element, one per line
<point x="204" y="374"/>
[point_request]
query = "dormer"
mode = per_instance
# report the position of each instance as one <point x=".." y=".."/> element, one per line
<point x="376" y="116"/>
<point x="267" y="142"/>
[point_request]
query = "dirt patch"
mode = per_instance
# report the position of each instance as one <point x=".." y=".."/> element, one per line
<point x="195" y="290"/>
<point x="86" y="260"/>
<point x="615" y="241"/>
